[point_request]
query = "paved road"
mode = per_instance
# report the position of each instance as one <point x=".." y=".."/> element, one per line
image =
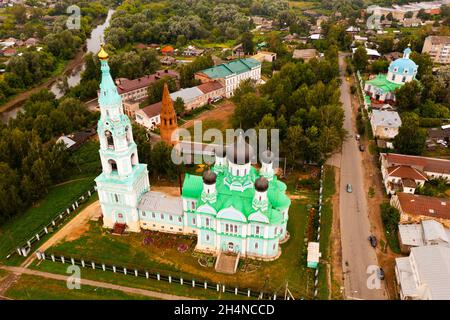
<point x="92" y="283"/>
<point x="357" y="254"/>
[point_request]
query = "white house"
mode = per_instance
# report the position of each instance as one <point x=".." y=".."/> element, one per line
<point x="406" y="173"/>
<point x="385" y="123"/>
<point x="232" y="73"/>
<point x="425" y="274"/>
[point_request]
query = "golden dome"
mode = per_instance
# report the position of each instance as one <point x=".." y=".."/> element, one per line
<point x="102" y="54"/>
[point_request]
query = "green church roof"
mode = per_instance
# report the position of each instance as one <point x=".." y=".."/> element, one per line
<point x="380" y="81"/>
<point x="240" y="200"/>
<point x="233" y="67"/>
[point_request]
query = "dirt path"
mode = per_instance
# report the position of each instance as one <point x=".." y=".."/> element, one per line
<point x="21" y="97"/>
<point x="71" y="231"/>
<point x="335" y="241"/>
<point x="153" y="294"/>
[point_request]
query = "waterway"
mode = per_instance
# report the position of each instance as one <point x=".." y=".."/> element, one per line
<point x="93" y="44"/>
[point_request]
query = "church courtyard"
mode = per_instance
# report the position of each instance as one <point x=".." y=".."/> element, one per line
<point x="174" y="254"/>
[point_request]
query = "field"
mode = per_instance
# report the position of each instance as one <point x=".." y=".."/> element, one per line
<point x="36" y="288"/>
<point x="159" y="252"/>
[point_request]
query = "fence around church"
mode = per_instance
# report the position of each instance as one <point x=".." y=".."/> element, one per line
<point x="25" y="247"/>
<point x="159" y="276"/>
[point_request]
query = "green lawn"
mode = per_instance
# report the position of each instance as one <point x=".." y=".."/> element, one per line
<point x="23" y="226"/>
<point x="138" y="282"/>
<point x="36" y="288"/>
<point x="60" y="196"/>
<point x="325" y="231"/>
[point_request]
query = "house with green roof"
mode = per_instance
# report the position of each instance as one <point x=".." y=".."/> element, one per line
<point x="382" y="88"/>
<point x="230" y="74"/>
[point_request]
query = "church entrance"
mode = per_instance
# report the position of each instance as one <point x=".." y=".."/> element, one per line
<point x="120" y="217"/>
<point x="230" y="247"/>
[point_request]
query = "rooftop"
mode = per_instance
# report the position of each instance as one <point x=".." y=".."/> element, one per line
<point x="125" y="85"/>
<point x="419" y="205"/>
<point x="386" y="118"/>
<point x="210" y="86"/>
<point x="406" y="172"/>
<point x="380" y="81"/>
<point x="159" y="202"/>
<point x="421" y="163"/>
<point x="187" y="94"/>
<point x="433" y="270"/>
<point x="231" y="68"/>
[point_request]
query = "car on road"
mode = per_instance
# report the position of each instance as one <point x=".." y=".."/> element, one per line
<point x="380" y="273"/>
<point x="349" y="188"/>
<point x="373" y="241"/>
<point x="357" y="137"/>
<point x="362" y="148"/>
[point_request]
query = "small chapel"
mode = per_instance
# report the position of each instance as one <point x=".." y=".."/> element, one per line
<point x="232" y="209"/>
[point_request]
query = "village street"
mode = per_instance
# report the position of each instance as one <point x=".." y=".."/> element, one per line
<point x="357" y="254"/>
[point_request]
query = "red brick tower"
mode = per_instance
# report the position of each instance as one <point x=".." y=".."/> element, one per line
<point x="168" y="118"/>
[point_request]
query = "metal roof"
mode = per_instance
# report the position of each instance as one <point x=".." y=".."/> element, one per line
<point x="432" y="264"/>
<point x="386" y="118"/>
<point x="411" y="234"/>
<point x="187" y="94"/>
<point x="159" y="202"/>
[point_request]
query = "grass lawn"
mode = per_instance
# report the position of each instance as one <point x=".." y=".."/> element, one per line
<point x="35" y="218"/>
<point x="79" y="180"/>
<point x="137" y="282"/>
<point x="325" y="231"/>
<point x="36" y="288"/>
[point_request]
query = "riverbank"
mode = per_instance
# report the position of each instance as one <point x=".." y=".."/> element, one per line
<point x="20" y="98"/>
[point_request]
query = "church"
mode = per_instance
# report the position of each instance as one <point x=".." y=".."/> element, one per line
<point x="382" y="87"/>
<point x="233" y="208"/>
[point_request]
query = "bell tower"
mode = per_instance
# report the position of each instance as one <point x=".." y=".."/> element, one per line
<point x="123" y="180"/>
<point x="168" y="116"/>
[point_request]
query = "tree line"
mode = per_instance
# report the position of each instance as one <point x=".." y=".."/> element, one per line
<point x="30" y="159"/>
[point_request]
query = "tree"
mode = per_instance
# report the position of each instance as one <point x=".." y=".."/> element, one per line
<point x="379" y="66"/>
<point x="247" y="43"/>
<point x="250" y="110"/>
<point x="155" y="90"/>
<point x="360" y="59"/>
<point x="179" y="106"/>
<point x="408" y="96"/>
<point x="410" y="138"/>
<point x="423" y="60"/>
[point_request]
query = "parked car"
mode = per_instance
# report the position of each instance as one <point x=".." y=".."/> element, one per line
<point x="373" y="241"/>
<point x="349" y="188"/>
<point x="358" y="137"/>
<point x="380" y="274"/>
<point x="362" y="147"/>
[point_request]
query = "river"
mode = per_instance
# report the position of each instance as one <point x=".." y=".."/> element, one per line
<point x="92" y="45"/>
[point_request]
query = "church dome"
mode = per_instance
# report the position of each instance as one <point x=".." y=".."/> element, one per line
<point x="240" y="152"/>
<point x="403" y="65"/>
<point x="261" y="184"/>
<point x="209" y="177"/>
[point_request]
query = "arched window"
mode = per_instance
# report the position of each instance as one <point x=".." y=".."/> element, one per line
<point x="113" y="165"/>
<point x="133" y="159"/>
<point x="109" y="139"/>
<point x="128" y="134"/>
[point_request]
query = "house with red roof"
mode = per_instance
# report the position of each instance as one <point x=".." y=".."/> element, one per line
<point x="167" y="50"/>
<point x="415" y="208"/>
<point x="405" y="173"/>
